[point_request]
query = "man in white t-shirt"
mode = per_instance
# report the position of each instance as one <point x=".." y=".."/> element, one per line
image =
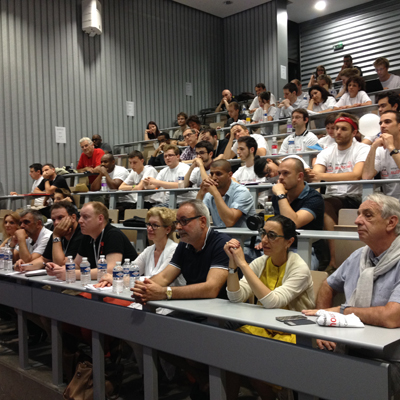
<point x="291" y="101"/>
<point x="342" y="161"/>
<point x="134" y="181"/>
<point x="302" y="136"/>
<point x="115" y="175"/>
<point x="259" y="88"/>
<point x="170" y="177"/>
<point x="200" y="167"/>
<point x="388" y="81"/>
<point x="384" y="156"/>
<point x="239" y="129"/>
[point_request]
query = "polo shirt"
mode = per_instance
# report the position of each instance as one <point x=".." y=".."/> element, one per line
<point x="59" y="182"/>
<point x="238" y="197"/>
<point x="70" y="247"/>
<point x="195" y="265"/>
<point x="40" y="244"/>
<point x="94" y="161"/>
<point x="111" y="240"/>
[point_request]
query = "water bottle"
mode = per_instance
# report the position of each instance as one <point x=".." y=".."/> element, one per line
<point x="118" y="278"/>
<point x="2" y="258"/>
<point x="101" y="268"/>
<point x="8" y="260"/>
<point x="269" y="211"/>
<point x="265" y="117"/>
<point x="291" y="146"/>
<point x="274" y="146"/>
<point x="289" y="127"/>
<point x="85" y="272"/>
<point x="72" y="165"/>
<point x="134" y="274"/>
<point x="70" y="271"/>
<point x="181" y="180"/>
<point x="305" y="97"/>
<point x="104" y="186"/>
<point x="126" y="268"/>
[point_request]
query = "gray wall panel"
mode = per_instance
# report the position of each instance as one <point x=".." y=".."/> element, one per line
<point x="53" y="74"/>
<point x="367" y="31"/>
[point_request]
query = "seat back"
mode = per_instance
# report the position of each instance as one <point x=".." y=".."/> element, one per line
<point x="347" y="216"/>
<point x="141" y="212"/>
<point x="318" y="278"/>
<point x="113" y="214"/>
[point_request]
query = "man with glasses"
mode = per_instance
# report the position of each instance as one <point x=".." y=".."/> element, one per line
<point x="29" y="242"/>
<point x="169" y="177"/>
<point x="98" y="144"/>
<point x="200" y="168"/>
<point x="200" y="258"/>
<point x="190" y="137"/>
<point x="388" y="81"/>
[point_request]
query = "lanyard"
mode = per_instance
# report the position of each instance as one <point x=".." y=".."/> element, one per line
<point x="69" y="241"/>
<point x="97" y="254"/>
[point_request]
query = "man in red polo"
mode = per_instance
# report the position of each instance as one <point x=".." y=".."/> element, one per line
<point x="90" y="157"/>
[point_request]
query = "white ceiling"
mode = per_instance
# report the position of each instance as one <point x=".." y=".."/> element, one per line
<point x="298" y="10"/>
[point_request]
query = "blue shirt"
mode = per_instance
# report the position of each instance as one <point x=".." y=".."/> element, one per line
<point x="237" y="197"/>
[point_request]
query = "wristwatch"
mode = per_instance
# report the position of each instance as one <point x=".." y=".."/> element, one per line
<point x="343" y="307"/>
<point x="56" y="240"/>
<point x="281" y="196"/>
<point x="233" y="270"/>
<point x="169" y="293"/>
<point x="394" y="151"/>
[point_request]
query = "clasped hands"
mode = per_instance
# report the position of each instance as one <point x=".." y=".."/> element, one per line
<point x="235" y="252"/>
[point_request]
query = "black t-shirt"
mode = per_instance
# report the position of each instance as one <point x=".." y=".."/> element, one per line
<point x="195" y="265"/>
<point x="233" y="100"/>
<point x="70" y="247"/>
<point x="220" y="148"/>
<point x="59" y="181"/>
<point x="113" y="240"/>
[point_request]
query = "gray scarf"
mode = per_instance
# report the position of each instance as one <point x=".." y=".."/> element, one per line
<point x="362" y="295"/>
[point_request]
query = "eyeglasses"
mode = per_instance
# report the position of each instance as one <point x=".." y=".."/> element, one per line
<point x="184" y="221"/>
<point x="154" y="226"/>
<point x="271" y="235"/>
<point x="200" y="153"/>
<point x="186" y="136"/>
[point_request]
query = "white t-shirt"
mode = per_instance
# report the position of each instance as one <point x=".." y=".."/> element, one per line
<point x="338" y="161"/>
<point x="346" y="100"/>
<point x="39" y="200"/>
<point x="168" y="174"/>
<point x="247" y="175"/>
<point x="326" y="141"/>
<point x="301" y="142"/>
<point x="134" y="179"/>
<point x="195" y="177"/>
<point x="299" y="103"/>
<point x="392" y="83"/>
<point x="121" y="173"/>
<point x="329" y="103"/>
<point x="258" y="116"/>
<point x="255" y="104"/>
<point x="388" y="168"/>
<point x="261" y="143"/>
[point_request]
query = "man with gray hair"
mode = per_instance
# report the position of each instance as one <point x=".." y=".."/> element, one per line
<point x="370" y="277"/>
<point x="199" y="257"/>
<point x="90" y="157"/>
<point x="30" y="241"/>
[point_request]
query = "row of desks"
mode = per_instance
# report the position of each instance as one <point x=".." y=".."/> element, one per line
<point x="309" y="371"/>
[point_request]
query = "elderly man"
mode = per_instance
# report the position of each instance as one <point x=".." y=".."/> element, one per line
<point x="100" y="238"/>
<point x="64" y="241"/>
<point x="190" y="137"/>
<point x="227" y="99"/>
<point x="90" y="157"/>
<point x="199" y="257"/>
<point x="229" y="202"/>
<point x="370" y="277"/>
<point x="29" y="242"/>
<point x="98" y="144"/>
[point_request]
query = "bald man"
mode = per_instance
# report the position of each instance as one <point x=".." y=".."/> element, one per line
<point x="227" y="98"/>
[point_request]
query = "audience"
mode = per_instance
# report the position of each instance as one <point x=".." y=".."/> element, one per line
<point x="388" y="81"/>
<point x="190" y="136"/>
<point x="320" y="70"/>
<point x="51" y="181"/>
<point x="259" y="88"/>
<point x="157" y="159"/>
<point x="342" y="161"/>
<point x="194" y="122"/>
<point x="200" y="167"/>
<point x="355" y="95"/>
<point x="348" y="63"/>
<point x="344" y="76"/>
<point x="151" y="131"/>
<point x="302" y="136"/>
<point x="320" y="100"/>
<point x="10" y="226"/>
<point x="98" y="144"/>
<point x="61" y="194"/>
<point x="210" y="135"/>
<point x="264" y="99"/>
<point x="178" y="134"/>
<point x="325" y="81"/>
<point x="227" y="99"/>
<point x="234" y="114"/>
<point x="291" y="101"/>
<point x="90" y="157"/>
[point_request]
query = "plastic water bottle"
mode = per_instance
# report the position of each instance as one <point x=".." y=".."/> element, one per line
<point x="305" y="97"/>
<point x="269" y="211"/>
<point x="118" y="278"/>
<point x="181" y="182"/>
<point x="85" y="271"/>
<point x="265" y="117"/>
<point x="101" y="267"/>
<point x="70" y="271"/>
<point x="289" y="126"/>
<point x="2" y="258"/>
<point x="8" y="260"/>
<point x="274" y="146"/>
<point x="104" y="186"/>
<point x="126" y="268"/>
<point x="291" y="146"/>
<point x="72" y="165"/>
<point x="134" y="275"/>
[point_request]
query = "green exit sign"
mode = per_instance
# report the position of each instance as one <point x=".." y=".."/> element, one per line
<point x="338" y="46"/>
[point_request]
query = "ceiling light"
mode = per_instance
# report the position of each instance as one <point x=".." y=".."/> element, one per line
<point x="320" y="5"/>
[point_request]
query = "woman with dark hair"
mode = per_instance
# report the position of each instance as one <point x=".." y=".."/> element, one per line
<point x="320" y="100"/>
<point x="279" y="279"/>
<point x="355" y="95"/>
<point x="320" y="70"/>
<point x="151" y="131"/>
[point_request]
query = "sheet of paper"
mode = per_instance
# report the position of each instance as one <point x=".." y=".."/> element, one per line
<point x="283" y="72"/>
<point x="130" y="108"/>
<point x="189" y="89"/>
<point x="61" y="135"/>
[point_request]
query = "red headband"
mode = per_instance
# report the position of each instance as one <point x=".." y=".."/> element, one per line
<point x="350" y="121"/>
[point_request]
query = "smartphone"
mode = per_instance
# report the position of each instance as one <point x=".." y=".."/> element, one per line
<point x="299" y="322"/>
<point x="291" y="318"/>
